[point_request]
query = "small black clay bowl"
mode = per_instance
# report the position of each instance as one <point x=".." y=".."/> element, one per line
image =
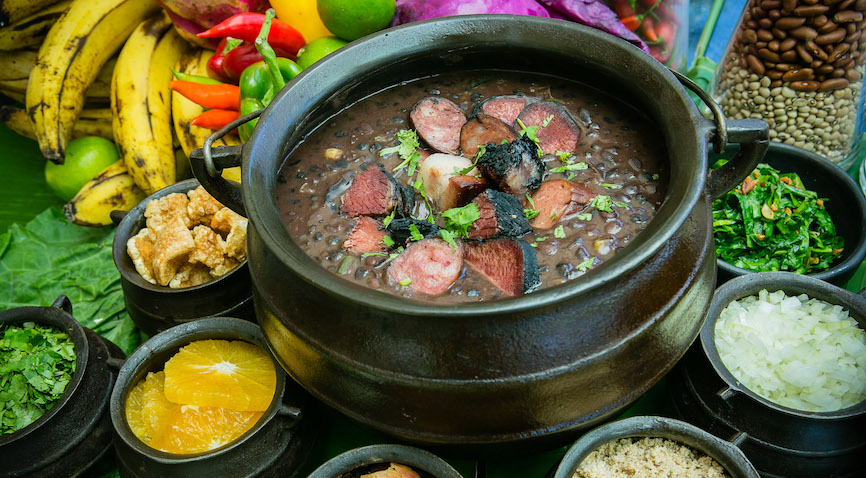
<point x="76" y="431"/>
<point x="779" y="440"/>
<point x="155" y="308"/>
<point x="724" y="453"/>
<point x="277" y="445"/>
<point x="844" y="202"/>
<point x="426" y="464"/>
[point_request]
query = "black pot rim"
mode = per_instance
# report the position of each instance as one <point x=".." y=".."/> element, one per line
<point x="724" y="453"/>
<point x="838" y="175"/>
<point x="750" y="284"/>
<point x="177" y="336"/>
<point x="125" y="230"/>
<point x="55" y="316"/>
<point x="490" y="31"/>
<point x="372" y="454"/>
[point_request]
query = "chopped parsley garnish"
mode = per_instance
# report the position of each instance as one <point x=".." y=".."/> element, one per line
<point x="546" y="121"/>
<point x="563" y="156"/>
<point x="405" y="282"/>
<point x="541" y="239"/>
<point x="611" y="186"/>
<point x="602" y="203"/>
<point x="585" y="265"/>
<point x="655" y="176"/>
<point x="458" y="220"/>
<point x="407" y="150"/>
<point x="559" y="232"/>
<point x="533" y="244"/>
<point x="415" y="234"/>
<point x="621" y="205"/>
<point x="389" y="218"/>
<point x="446" y="236"/>
<point x="387" y="241"/>
<point x="463" y="172"/>
<point x="418" y="185"/>
<point x="528" y="131"/>
<point x="531" y="212"/>
<point x="570" y="167"/>
<point x="584" y="216"/>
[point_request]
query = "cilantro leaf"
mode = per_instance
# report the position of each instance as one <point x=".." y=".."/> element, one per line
<point x="458" y="220"/>
<point x="584" y="216"/>
<point x="531" y="212"/>
<point x="415" y="234"/>
<point x="528" y="131"/>
<point x="446" y="236"/>
<point x="559" y="232"/>
<point x="481" y="150"/>
<point x="585" y="265"/>
<point x="546" y="121"/>
<point x="407" y="150"/>
<point x="570" y="167"/>
<point x="405" y="282"/>
<point x="387" y="241"/>
<point x="602" y="203"/>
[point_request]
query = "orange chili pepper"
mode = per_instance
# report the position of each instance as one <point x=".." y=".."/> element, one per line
<point x="649" y="30"/>
<point x="630" y="22"/>
<point x="222" y="96"/>
<point x="214" y="119"/>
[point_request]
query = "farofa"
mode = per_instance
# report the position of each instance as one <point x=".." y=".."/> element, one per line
<point x="648" y="458"/>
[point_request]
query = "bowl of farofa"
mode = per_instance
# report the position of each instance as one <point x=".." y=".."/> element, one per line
<point x="182" y="256"/>
<point x="649" y="446"/>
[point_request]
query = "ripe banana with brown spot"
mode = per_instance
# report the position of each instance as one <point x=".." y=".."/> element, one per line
<point x="76" y="48"/>
<point x="140" y="103"/>
<point x="16" y="65"/>
<point x="112" y="189"/>
<point x="12" y="81"/>
<point x="194" y="62"/>
<point x="13" y="10"/>
<point x="31" y="30"/>
<point x="96" y="122"/>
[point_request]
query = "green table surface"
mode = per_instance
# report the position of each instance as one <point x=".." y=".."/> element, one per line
<point x="26" y="195"/>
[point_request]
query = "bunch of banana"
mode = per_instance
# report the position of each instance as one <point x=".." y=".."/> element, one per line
<point x="11" y="11"/>
<point x="15" y="68"/>
<point x="91" y="122"/>
<point x="29" y="30"/>
<point x="77" y="46"/>
<point x="112" y="189"/>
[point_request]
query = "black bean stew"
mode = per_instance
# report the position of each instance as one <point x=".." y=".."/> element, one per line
<point x="518" y="181"/>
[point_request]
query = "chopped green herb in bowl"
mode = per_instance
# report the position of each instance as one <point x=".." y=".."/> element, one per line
<point x="36" y="365"/>
<point x="771" y="222"/>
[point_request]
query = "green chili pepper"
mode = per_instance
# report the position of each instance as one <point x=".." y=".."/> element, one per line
<point x="261" y="81"/>
<point x="204" y="80"/>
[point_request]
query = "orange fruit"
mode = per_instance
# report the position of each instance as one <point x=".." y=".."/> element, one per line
<point x="147" y="410"/>
<point x="234" y="375"/>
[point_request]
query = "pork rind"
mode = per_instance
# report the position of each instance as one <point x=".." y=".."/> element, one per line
<point x="189" y="240"/>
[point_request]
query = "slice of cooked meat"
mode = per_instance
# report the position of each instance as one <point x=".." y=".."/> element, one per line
<point x="435" y="172"/>
<point x="374" y="192"/>
<point x="429" y="266"/>
<point x="557" y="130"/>
<point x="366" y="237"/>
<point x="461" y="191"/>
<point x="140" y="248"/>
<point x="400" y="229"/>
<point x="165" y="209"/>
<point x="504" y="108"/>
<point x="510" y="264"/>
<point x="482" y="129"/>
<point x="438" y="121"/>
<point x="173" y="244"/>
<point x="514" y="167"/>
<point x="501" y="215"/>
<point x="557" y="199"/>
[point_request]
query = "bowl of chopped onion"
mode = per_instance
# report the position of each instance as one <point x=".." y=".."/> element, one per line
<point x="796" y="212"/>
<point x="781" y="365"/>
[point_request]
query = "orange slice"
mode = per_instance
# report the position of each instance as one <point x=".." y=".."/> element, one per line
<point x="148" y="412"/>
<point x="233" y="375"/>
<point x="200" y="429"/>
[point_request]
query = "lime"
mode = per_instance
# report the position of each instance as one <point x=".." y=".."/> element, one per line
<point x="318" y="49"/>
<point x="85" y="158"/>
<point x="351" y="19"/>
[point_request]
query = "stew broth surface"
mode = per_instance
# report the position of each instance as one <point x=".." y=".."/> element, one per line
<point x="624" y="152"/>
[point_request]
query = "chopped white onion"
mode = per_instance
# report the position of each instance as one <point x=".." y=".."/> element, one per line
<point x="798" y="352"/>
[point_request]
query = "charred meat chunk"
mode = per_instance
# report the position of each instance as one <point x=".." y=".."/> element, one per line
<point x="514" y="166"/>
<point x="504" y="108"/>
<point x="482" y="129"/>
<point x="429" y="266"/>
<point x="375" y="192"/>
<point x="510" y="264"/>
<point x="557" y="130"/>
<point x="500" y="215"/>
<point x="402" y="229"/>
<point x="461" y="191"/>
<point x="557" y="199"/>
<point x="366" y="237"/>
<point x="438" y="121"/>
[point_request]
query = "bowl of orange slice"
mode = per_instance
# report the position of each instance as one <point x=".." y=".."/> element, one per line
<point x="207" y="398"/>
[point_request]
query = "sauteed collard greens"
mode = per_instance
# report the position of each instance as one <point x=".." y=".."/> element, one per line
<point x="771" y="222"/>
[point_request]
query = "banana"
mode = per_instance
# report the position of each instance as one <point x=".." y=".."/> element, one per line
<point x="135" y="116"/>
<point x="16" y="65"/>
<point x="165" y="56"/>
<point x="13" y="10"/>
<point x="194" y="62"/>
<point x="95" y="122"/>
<point x="76" y="48"/>
<point x="112" y="189"/>
<point x="31" y="30"/>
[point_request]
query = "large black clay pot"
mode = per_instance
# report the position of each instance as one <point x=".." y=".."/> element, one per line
<point x="531" y="368"/>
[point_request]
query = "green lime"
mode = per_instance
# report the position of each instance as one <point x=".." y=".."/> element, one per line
<point x="351" y="19"/>
<point x="318" y="49"/>
<point x="85" y="158"/>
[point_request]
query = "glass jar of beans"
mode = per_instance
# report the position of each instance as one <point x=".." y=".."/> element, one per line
<point x="798" y="65"/>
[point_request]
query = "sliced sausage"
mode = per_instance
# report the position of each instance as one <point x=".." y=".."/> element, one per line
<point x="557" y="199"/>
<point x="438" y="122"/>
<point x="366" y="237"/>
<point x="375" y="192"/>
<point x="514" y="167"/>
<point x="437" y="169"/>
<point x="504" y="108"/>
<point x="482" y="129"/>
<point x="429" y="266"/>
<point x="500" y="215"/>
<point x="510" y="264"/>
<point x="461" y="191"/>
<point x="557" y="130"/>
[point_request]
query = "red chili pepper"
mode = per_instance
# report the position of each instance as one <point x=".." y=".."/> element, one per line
<point x="665" y="31"/>
<point x="246" y="26"/>
<point x="214" y="119"/>
<point x="223" y="96"/>
<point x="648" y="27"/>
<point x="623" y="9"/>
<point x="237" y="60"/>
<point x="215" y="64"/>
<point x="632" y="23"/>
